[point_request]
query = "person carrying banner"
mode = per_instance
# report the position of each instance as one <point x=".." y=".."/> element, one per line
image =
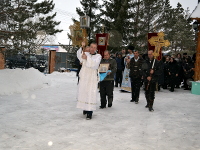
<point x="107" y="85"/>
<point x="151" y="72"/>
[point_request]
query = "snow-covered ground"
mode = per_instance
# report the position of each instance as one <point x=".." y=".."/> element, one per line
<point x="38" y="112"/>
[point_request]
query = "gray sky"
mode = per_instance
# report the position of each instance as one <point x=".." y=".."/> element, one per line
<point x="185" y="3"/>
<point x="67" y="9"/>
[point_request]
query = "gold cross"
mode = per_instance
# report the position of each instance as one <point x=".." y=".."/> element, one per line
<point x="158" y="42"/>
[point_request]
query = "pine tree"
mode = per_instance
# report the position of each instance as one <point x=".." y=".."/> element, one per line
<point x="142" y="18"/>
<point x="114" y="15"/>
<point x="26" y="18"/>
<point x="182" y="30"/>
<point x="177" y="28"/>
<point x="129" y="22"/>
<point x="166" y="21"/>
<point x="173" y="22"/>
<point x="166" y="13"/>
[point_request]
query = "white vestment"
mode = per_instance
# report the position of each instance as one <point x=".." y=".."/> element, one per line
<point x="88" y="81"/>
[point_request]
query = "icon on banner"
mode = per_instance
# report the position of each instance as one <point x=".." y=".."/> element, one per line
<point x="78" y="35"/>
<point x="102" y="41"/>
<point x="104" y="67"/>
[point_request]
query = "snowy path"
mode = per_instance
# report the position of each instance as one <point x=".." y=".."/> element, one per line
<point x="32" y="120"/>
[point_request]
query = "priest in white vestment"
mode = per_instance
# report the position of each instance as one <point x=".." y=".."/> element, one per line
<point x="87" y="87"/>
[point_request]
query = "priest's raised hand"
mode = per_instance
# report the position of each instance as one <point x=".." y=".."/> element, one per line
<point x="84" y="56"/>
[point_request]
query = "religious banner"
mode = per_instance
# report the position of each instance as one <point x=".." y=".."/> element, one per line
<point x="156" y="42"/>
<point x="102" y="42"/>
<point x="78" y="35"/>
<point x="152" y="47"/>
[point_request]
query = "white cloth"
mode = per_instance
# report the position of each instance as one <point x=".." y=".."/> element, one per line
<point x="87" y="87"/>
<point x="136" y="59"/>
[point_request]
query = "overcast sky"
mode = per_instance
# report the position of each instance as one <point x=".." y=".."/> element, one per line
<point x="66" y="9"/>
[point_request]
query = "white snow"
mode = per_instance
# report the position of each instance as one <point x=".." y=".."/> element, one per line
<point x="18" y="80"/>
<point x="46" y="117"/>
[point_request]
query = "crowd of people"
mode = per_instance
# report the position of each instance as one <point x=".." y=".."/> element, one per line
<point x="176" y="70"/>
<point x="130" y="71"/>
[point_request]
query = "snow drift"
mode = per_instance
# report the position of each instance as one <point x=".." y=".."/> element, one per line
<point x="18" y="80"/>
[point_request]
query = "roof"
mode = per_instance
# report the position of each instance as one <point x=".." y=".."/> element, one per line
<point x="196" y="12"/>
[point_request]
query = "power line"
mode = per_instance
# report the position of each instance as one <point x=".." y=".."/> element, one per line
<point x="66" y="13"/>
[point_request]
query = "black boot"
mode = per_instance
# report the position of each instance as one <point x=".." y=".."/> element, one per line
<point x="151" y="105"/>
<point x="147" y="106"/>
<point x="84" y="112"/>
<point x="110" y="100"/>
<point x="89" y="115"/>
<point x="116" y="84"/>
<point x="186" y="87"/>
<point x="151" y="109"/>
<point x="110" y="105"/>
<point x="136" y="100"/>
<point x="102" y="107"/>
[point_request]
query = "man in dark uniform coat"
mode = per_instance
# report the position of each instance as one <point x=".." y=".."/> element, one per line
<point x="151" y="72"/>
<point x="135" y="66"/>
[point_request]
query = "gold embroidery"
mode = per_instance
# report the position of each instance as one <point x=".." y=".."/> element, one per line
<point x="88" y="103"/>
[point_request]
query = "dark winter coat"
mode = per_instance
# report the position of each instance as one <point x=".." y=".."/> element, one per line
<point x="187" y="67"/>
<point x="147" y="66"/>
<point x="173" y="68"/>
<point x="166" y="68"/>
<point x="135" y="68"/>
<point x="122" y="63"/>
<point x="78" y="65"/>
<point x="162" y="75"/>
<point x="119" y="63"/>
